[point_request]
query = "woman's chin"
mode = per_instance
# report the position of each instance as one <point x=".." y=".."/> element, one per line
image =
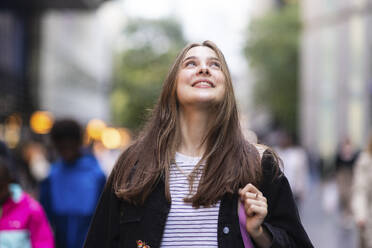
<point x="202" y="102"/>
<point x="205" y="98"/>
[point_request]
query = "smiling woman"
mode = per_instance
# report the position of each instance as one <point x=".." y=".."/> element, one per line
<point x="180" y="183"/>
<point x="200" y="78"/>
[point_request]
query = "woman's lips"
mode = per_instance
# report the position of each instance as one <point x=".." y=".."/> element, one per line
<point x="203" y="84"/>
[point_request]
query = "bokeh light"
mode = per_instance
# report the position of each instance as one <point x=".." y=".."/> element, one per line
<point x="95" y="128"/>
<point x="111" y="138"/>
<point x="12" y="130"/>
<point x="125" y="137"/>
<point x="41" y="122"/>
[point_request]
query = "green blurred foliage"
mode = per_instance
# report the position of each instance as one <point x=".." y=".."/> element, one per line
<point x="151" y="48"/>
<point x="273" y="51"/>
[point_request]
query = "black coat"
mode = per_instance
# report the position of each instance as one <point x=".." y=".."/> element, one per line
<point x="119" y="224"/>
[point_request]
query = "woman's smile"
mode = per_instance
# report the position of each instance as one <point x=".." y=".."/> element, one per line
<point x="203" y="83"/>
<point x="200" y="69"/>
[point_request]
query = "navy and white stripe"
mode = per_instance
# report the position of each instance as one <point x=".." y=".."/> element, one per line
<point x="187" y="226"/>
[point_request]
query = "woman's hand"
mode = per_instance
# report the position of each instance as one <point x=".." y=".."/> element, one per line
<point x="255" y="206"/>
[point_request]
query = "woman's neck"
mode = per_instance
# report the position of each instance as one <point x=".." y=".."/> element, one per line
<point x="193" y="129"/>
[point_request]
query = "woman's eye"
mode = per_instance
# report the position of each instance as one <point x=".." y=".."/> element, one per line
<point x="190" y="63"/>
<point x="216" y="65"/>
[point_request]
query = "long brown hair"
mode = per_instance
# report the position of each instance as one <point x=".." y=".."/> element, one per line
<point x="230" y="160"/>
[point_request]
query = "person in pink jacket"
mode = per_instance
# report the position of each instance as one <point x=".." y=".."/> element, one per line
<point x="23" y="223"/>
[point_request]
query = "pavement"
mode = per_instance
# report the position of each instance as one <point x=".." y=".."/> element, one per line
<point x="322" y="218"/>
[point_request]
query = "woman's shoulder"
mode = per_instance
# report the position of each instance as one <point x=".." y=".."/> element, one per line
<point x="270" y="162"/>
<point x="267" y="155"/>
<point x="261" y="149"/>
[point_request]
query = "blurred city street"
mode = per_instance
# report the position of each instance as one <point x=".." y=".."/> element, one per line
<point x="302" y="79"/>
<point x="326" y="228"/>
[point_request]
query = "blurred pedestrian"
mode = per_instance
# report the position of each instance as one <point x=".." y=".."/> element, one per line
<point x="6" y="155"/>
<point x="32" y="166"/>
<point x="72" y="189"/>
<point x="345" y="160"/>
<point x="362" y="195"/>
<point x="23" y="222"/>
<point x="191" y="179"/>
<point x="296" y="168"/>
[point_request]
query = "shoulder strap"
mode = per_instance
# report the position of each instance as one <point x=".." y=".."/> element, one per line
<point x="242" y="220"/>
<point x="261" y="149"/>
<point x="241" y="213"/>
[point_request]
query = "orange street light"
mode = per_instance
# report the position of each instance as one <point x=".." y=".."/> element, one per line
<point x="125" y="137"/>
<point x="111" y="138"/>
<point x="12" y="130"/>
<point x="95" y="128"/>
<point x="41" y="122"/>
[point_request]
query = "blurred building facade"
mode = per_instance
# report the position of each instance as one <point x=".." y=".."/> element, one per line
<point x="336" y="82"/>
<point x="26" y="28"/>
<point x="18" y="42"/>
<point x="260" y="119"/>
<point x="75" y="66"/>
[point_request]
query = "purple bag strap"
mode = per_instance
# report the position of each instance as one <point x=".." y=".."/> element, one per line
<point x="242" y="217"/>
<point x="242" y="221"/>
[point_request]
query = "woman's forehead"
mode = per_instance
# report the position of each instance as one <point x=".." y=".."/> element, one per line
<point x="201" y="51"/>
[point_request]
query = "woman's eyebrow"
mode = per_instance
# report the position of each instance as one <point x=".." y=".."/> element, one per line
<point x="188" y="58"/>
<point x="194" y="57"/>
<point x="213" y="58"/>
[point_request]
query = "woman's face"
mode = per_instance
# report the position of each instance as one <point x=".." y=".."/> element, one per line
<point x="200" y="80"/>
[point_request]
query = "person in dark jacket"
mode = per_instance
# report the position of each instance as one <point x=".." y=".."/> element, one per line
<point x="71" y="191"/>
<point x="190" y="175"/>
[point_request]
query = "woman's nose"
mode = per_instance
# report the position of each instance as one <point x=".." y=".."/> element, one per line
<point x="203" y="70"/>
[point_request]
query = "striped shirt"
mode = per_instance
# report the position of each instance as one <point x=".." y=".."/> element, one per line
<point x="187" y="226"/>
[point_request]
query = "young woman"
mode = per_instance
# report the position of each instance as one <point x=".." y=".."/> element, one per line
<point x="181" y="183"/>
